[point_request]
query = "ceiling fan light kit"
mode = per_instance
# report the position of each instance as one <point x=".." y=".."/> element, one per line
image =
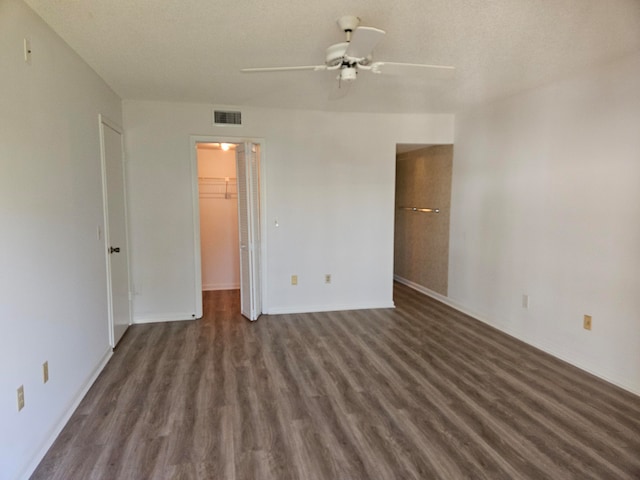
<point x="348" y="74"/>
<point x="356" y="54"/>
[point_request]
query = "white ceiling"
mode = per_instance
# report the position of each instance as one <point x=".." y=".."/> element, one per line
<point x="193" y="51"/>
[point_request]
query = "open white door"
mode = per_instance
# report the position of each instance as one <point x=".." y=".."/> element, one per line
<point x="248" y="174"/>
<point x="115" y="234"/>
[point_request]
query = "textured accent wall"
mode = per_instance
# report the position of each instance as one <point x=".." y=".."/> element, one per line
<point x="423" y="179"/>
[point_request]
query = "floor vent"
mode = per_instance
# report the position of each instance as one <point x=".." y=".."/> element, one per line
<point x="227" y="117"/>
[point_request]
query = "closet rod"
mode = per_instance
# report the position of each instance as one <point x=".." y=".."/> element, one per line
<point x="419" y="209"/>
<point x="223" y="179"/>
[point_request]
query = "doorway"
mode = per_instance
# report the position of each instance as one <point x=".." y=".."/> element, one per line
<point x="218" y="199"/>
<point x="227" y="198"/>
<point x="423" y="200"/>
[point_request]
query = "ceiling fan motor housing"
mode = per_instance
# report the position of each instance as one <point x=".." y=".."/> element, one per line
<point x="335" y="55"/>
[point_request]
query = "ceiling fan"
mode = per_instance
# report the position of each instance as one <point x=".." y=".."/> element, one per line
<point x="355" y="55"/>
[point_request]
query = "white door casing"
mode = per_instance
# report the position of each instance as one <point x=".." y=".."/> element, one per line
<point x="258" y="204"/>
<point x="115" y="229"/>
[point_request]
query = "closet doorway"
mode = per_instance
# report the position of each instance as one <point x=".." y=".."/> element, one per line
<point x="218" y="201"/>
<point x="423" y="201"/>
<point x="227" y="219"/>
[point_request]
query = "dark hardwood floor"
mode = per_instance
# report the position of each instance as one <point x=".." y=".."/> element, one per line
<point x="416" y="392"/>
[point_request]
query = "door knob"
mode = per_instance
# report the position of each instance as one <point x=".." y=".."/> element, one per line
<point x="114" y="250"/>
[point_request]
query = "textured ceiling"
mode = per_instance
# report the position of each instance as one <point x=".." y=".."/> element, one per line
<point x="193" y="51"/>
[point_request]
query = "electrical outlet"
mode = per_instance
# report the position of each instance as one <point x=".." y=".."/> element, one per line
<point x="45" y="372"/>
<point x="20" y="397"/>
<point x="525" y="301"/>
<point x="587" y="322"/>
<point x="294" y="279"/>
<point x="327" y="278"/>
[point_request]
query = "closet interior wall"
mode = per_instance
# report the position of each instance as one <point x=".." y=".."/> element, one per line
<point x="220" y="253"/>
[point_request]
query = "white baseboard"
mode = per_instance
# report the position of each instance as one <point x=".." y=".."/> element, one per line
<point x="163" y="317"/>
<point x="208" y="287"/>
<point x="425" y="290"/>
<point x="554" y="351"/>
<point x="71" y="408"/>
<point x="326" y="308"/>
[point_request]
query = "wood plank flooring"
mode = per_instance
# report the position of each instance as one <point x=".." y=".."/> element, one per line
<point x="416" y="392"/>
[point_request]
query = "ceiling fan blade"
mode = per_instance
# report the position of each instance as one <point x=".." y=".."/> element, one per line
<point x="315" y="68"/>
<point x="363" y="41"/>
<point x="432" y="71"/>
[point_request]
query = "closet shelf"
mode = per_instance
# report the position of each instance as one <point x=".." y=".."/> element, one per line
<point x="217" y="187"/>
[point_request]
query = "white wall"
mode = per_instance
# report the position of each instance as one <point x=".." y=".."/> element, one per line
<point x="546" y="202"/>
<point x="53" y="279"/>
<point x="219" y="243"/>
<point x="329" y="181"/>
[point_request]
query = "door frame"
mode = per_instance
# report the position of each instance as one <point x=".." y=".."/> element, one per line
<point x="102" y="121"/>
<point x="195" y="198"/>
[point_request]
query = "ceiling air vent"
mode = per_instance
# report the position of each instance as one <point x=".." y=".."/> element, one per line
<point x="227" y="117"/>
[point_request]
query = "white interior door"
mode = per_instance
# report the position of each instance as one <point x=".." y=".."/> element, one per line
<point x="248" y="175"/>
<point x="115" y="230"/>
